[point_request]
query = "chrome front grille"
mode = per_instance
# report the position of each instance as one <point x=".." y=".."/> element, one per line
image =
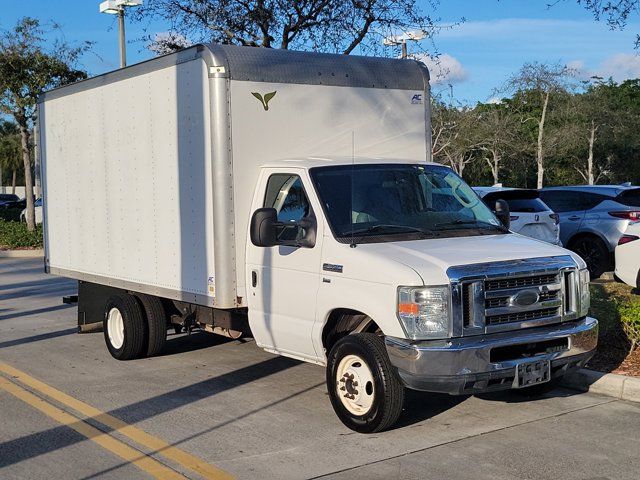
<point x="522" y="316"/>
<point x="504" y="301"/>
<point x="503" y="296"/>
<point x="519" y="299"/>
<point x="519" y="282"/>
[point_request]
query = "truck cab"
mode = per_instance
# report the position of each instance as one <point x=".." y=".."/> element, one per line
<point x="405" y="255"/>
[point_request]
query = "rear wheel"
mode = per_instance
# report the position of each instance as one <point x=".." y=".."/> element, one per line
<point x="365" y="391"/>
<point x="156" y="323"/>
<point x="124" y="327"/>
<point x="594" y="252"/>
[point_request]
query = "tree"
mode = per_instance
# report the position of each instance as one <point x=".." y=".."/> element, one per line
<point x="453" y="142"/>
<point x="590" y="122"/>
<point x="542" y="81"/>
<point x="615" y="12"/>
<point x="496" y="135"/>
<point x="318" y="25"/>
<point x="10" y="159"/>
<point x="29" y="65"/>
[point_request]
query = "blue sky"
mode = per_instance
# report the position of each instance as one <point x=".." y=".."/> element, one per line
<point x="477" y="56"/>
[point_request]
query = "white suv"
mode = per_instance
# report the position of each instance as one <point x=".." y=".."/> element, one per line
<point x="530" y="216"/>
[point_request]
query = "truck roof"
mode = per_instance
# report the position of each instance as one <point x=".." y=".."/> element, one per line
<point x="312" y="162"/>
<point x="275" y="66"/>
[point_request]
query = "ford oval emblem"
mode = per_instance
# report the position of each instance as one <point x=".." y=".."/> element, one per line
<point x="524" y="298"/>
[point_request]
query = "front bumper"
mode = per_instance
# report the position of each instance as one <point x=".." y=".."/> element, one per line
<point x="483" y="363"/>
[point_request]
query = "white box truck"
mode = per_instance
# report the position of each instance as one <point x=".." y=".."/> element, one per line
<point x="290" y="196"/>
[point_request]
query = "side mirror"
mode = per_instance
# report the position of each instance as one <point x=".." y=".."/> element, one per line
<point x="502" y="212"/>
<point x="263" y="229"/>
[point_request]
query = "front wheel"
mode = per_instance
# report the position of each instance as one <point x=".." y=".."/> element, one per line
<point x="365" y="390"/>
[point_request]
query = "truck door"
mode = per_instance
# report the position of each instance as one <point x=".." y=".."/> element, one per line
<point x="283" y="281"/>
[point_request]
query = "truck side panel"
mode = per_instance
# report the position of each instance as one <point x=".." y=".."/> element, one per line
<point x="128" y="183"/>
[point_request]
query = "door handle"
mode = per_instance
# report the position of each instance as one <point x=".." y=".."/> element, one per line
<point x="574" y="217"/>
<point x="254" y="278"/>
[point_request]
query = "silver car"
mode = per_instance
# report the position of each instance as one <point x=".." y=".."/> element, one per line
<point x="593" y="218"/>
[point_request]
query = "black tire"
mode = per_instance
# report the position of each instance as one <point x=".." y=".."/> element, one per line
<point x="134" y="333"/>
<point x="538" y="390"/>
<point x="594" y="252"/>
<point x="156" y="323"/>
<point x="388" y="391"/>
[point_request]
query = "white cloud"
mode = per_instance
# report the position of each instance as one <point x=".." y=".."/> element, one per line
<point x="495" y="100"/>
<point x="620" y="66"/>
<point x="576" y="65"/>
<point x="444" y="69"/>
<point x="579" y="69"/>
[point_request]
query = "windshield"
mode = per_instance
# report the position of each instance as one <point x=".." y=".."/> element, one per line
<point x="398" y="199"/>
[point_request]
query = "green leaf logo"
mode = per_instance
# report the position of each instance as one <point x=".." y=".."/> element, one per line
<point x="264" y="101"/>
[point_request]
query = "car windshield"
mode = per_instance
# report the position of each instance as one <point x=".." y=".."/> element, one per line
<point x="398" y="199"/>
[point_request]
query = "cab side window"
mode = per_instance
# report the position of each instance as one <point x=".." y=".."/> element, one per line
<point x="286" y="194"/>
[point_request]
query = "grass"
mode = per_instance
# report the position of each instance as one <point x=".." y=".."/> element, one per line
<point x="617" y="308"/>
<point x="15" y="235"/>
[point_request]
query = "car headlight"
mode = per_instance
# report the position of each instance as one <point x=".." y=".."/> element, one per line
<point x="584" y="295"/>
<point x="425" y="312"/>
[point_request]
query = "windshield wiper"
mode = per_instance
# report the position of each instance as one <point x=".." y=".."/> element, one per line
<point x="375" y="228"/>
<point x="483" y="225"/>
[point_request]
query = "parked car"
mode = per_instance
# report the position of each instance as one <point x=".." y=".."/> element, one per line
<point x="38" y="209"/>
<point x="530" y="216"/>
<point x="593" y="218"/>
<point x="6" y="199"/>
<point x="628" y="256"/>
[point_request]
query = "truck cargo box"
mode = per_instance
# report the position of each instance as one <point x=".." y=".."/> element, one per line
<point x="148" y="172"/>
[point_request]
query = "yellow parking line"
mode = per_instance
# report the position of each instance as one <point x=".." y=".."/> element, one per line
<point x="131" y="455"/>
<point x="160" y="446"/>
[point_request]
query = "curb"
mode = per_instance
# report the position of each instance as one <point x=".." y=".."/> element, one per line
<point x="21" y="253"/>
<point x="611" y="384"/>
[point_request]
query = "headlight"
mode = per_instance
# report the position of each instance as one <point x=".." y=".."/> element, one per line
<point x="425" y="311"/>
<point x="585" y="296"/>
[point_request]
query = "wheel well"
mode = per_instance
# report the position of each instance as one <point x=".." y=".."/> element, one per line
<point x="580" y="235"/>
<point x="342" y="322"/>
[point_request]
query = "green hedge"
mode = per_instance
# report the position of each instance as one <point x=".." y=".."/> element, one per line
<point x="630" y="320"/>
<point x="16" y="235"/>
<point x="617" y="307"/>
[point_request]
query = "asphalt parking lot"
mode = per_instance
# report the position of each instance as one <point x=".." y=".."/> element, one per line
<point x="216" y="408"/>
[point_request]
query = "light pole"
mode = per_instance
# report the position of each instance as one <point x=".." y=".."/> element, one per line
<point x="117" y="7"/>
<point x="394" y="40"/>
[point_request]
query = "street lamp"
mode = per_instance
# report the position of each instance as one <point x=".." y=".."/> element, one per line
<point x="394" y="40"/>
<point x="116" y="7"/>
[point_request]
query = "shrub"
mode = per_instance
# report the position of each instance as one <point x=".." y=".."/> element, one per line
<point x="16" y="235"/>
<point x="617" y="308"/>
<point x="630" y="319"/>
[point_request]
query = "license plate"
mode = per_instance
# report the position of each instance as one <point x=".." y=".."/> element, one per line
<point x="532" y="373"/>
